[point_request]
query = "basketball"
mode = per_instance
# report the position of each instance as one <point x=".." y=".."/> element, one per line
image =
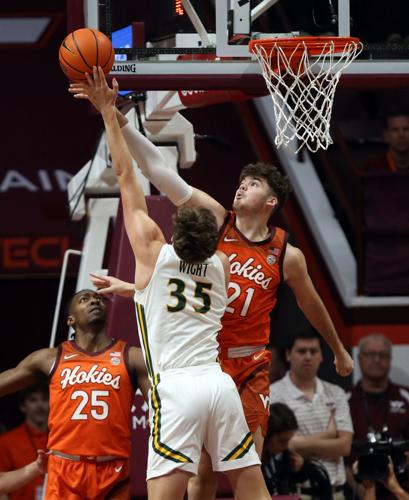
<point x="82" y="49"/>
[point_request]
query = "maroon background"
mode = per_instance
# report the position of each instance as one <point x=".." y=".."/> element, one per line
<point x="43" y="129"/>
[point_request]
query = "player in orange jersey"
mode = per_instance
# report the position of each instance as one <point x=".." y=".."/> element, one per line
<point x="92" y="380"/>
<point x="260" y="259"/>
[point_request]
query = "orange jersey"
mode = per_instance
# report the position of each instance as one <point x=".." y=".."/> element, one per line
<point x="255" y="274"/>
<point x="90" y="401"/>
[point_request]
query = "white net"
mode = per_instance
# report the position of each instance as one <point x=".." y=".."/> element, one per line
<point x="302" y="88"/>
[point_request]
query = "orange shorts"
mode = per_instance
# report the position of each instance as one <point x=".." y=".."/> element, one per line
<point x="251" y="375"/>
<point x="72" y="480"/>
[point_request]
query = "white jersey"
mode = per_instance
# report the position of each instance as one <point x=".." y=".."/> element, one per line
<point x="179" y="312"/>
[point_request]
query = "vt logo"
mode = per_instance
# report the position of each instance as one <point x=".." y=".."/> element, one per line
<point x="397" y="406"/>
<point x="265" y="399"/>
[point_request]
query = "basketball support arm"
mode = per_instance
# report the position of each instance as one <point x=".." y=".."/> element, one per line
<point x="197" y="23"/>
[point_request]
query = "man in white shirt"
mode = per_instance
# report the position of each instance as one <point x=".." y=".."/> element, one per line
<point x="322" y="411"/>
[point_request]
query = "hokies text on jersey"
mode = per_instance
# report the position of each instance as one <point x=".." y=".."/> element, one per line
<point x="94" y="376"/>
<point x="247" y="270"/>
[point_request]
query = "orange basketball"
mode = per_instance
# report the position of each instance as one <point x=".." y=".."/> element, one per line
<point x="82" y="49"/>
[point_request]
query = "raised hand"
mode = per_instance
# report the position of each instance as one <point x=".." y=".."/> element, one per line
<point x="96" y="89"/>
<point x="109" y="284"/>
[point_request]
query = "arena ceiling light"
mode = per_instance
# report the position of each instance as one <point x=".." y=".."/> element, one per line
<point x="27" y="30"/>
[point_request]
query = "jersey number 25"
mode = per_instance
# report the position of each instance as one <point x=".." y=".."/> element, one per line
<point x="99" y="407"/>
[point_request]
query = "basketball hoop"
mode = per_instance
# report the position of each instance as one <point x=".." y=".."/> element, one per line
<point x="301" y="74"/>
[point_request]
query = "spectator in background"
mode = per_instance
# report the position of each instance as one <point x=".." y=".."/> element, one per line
<point x="282" y="468"/>
<point x="391" y="485"/>
<point x="321" y="408"/>
<point x="19" y="446"/>
<point x="396" y="135"/>
<point x="16" y="479"/>
<point x="377" y="403"/>
<point x="278" y="463"/>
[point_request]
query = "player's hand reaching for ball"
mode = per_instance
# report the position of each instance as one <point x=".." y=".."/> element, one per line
<point x="96" y="90"/>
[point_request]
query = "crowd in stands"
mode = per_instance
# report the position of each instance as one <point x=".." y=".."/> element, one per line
<point x="317" y="433"/>
<point x="320" y="436"/>
<point x="396" y="137"/>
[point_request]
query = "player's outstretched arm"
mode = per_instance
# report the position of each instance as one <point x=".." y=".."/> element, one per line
<point x="297" y="278"/>
<point x="153" y="166"/>
<point x="151" y="161"/>
<point x="109" y="284"/>
<point x="27" y="371"/>
<point x="144" y="234"/>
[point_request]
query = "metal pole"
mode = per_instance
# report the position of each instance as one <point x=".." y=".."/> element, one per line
<point x="261" y="8"/>
<point x="59" y="294"/>
<point x="344" y="15"/>
<point x="197" y="23"/>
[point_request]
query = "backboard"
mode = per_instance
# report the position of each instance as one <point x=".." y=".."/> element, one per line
<point x="203" y="44"/>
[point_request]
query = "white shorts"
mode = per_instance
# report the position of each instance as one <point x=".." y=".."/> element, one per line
<point x="195" y="407"/>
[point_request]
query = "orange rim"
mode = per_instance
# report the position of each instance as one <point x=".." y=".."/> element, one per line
<point x="314" y="44"/>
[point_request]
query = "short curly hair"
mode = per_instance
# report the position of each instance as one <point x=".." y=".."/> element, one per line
<point x="278" y="183"/>
<point x="195" y="234"/>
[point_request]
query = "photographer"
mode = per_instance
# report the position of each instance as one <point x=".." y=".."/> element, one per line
<point x="277" y="463"/>
<point x="377" y="403"/>
<point x="390" y="483"/>
<point x="284" y="469"/>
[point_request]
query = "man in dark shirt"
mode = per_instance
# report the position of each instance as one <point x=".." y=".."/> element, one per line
<point x="396" y="135"/>
<point x="377" y="403"/>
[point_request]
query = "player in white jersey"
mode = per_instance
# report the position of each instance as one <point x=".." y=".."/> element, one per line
<point x="180" y="298"/>
<point x="177" y="296"/>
